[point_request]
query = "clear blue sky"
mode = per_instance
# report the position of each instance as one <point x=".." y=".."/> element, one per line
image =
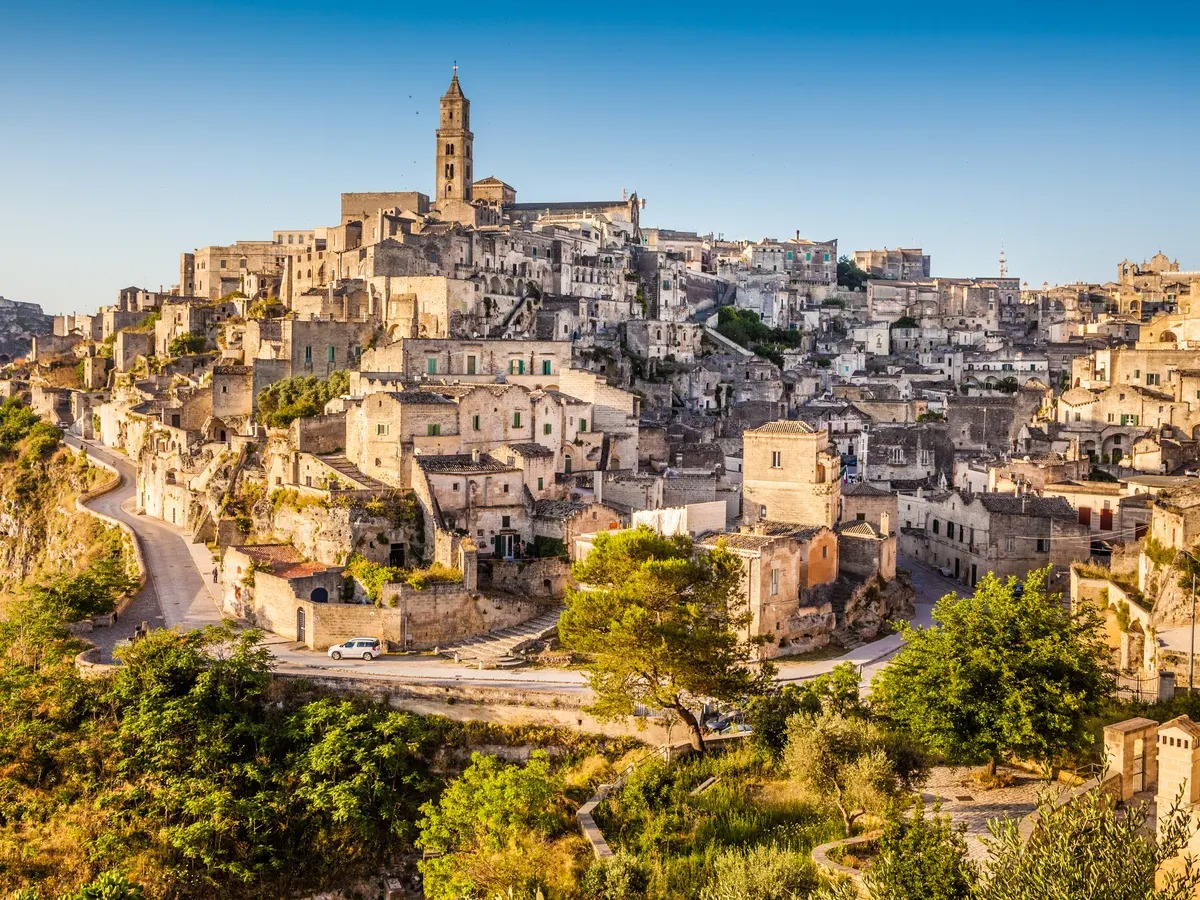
<point x="1070" y="132"/>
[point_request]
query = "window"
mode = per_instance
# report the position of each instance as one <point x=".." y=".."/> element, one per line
<point x="222" y="264"/>
<point x="775" y="582"/>
<point x="332" y="355"/>
<point x="470" y="365"/>
<point x="826" y="257"/>
<point x="308" y="355"/>
<point x="546" y="428"/>
<point x="1043" y="545"/>
<point x="950" y="530"/>
<point x="516" y="367"/>
<point x="926" y="457"/>
<point x="516" y="420"/>
<point x="666" y="284"/>
<point x="380" y="430"/>
<point x="860" y="517"/>
<point x="762" y="511"/>
<point x="433" y="430"/>
<point x="776" y="459"/>
<point x="474" y="423"/>
<point x="506" y="488"/>
<point x="506" y="521"/>
<point x="1129" y="419"/>
<point x="541" y="483"/>
<point x="824" y="553"/>
<point x="935" y="526"/>
<point x="583" y="424"/>
<point x="431" y="365"/>
<point x="896" y="456"/>
<point x="545" y="367"/>
<point x="1153" y="379"/>
<point x="454" y="486"/>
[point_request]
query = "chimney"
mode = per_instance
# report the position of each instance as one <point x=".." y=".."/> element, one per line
<point x="885" y="524"/>
<point x="797" y="234"/>
<point x="598" y="486"/>
<point x="475" y="456"/>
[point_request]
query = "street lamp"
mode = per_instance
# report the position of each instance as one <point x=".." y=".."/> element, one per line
<point x="1192" y="650"/>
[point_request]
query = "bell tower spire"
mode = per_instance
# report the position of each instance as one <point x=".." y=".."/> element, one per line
<point x="454" y="140"/>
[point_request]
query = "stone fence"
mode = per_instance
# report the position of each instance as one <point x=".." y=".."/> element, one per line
<point x="585" y="815"/>
<point x="88" y="662"/>
<point x="835" y="870"/>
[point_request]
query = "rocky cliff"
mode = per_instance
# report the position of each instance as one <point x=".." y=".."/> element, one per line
<point x="19" y="323"/>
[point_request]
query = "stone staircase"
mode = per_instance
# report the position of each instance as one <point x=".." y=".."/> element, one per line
<point x="497" y="649"/>
<point x="839" y="594"/>
<point x="340" y="464"/>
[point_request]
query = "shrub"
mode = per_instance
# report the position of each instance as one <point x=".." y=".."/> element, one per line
<point x="766" y="872"/>
<point x="432" y="574"/>
<point x="186" y="345"/>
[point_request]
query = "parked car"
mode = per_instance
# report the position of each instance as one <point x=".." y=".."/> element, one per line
<point x="366" y="647"/>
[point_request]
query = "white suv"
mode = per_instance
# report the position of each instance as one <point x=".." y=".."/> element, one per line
<point x="366" y="647"/>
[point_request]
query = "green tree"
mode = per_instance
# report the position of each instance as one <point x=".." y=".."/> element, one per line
<point x="921" y="857"/>
<point x="91" y="592"/>
<point x="186" y="344"/>
<point x="768" y="713"/>
<point x="1001" y="672"/>
<point x="661" y="625"/>
<point x="283" y="402"/>
<point x="844" y="761"/>
<point x="487" y="828"/>
<point x="849" y="275"/>
<point x="355" y="768"/>
<point x="1090" y="850"/>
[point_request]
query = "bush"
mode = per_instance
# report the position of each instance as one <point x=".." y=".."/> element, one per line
<point x="621" y="877"/>
<point x="186" y="345"/>
<point x="921" y="858"/>
<point x="373" y="576"/>
<point x="766" y="872"/>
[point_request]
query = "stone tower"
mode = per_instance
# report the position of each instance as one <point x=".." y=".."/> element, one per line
<point x="454" y="145"/>
<point x="790" y="473"/>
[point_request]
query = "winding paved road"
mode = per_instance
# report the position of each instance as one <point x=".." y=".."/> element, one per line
<point x="179" y="593"/>
<point x="175" y="595"/>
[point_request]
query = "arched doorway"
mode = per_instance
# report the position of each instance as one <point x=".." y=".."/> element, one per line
<point x="300" y="625"/>
<point x="319" y="595"/>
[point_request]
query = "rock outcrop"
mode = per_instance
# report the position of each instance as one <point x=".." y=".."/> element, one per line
<point x="19" y="323"/>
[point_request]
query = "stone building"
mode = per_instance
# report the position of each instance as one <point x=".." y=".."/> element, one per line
<point x="969" y="535"/>
<point x="791" y="473"/>
<point x="899" y="264"/>
<point x="781" y="565"/>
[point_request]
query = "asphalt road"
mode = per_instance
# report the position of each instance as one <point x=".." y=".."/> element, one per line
<point x="175" y="594"/>
<point x="179" y="594"/>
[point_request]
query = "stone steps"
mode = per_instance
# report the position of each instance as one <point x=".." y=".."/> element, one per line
<point x="497" y="648"/>
<point x="343" y="466"/>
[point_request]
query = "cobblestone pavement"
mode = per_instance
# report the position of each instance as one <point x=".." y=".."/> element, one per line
<point x="967" y="804"/>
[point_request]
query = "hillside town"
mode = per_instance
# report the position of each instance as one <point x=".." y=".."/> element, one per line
<point x="409" y="421"/>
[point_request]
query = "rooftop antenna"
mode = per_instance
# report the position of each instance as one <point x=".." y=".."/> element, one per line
<point x="1003" y="263"/>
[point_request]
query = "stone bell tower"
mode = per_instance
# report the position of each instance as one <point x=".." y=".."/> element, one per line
<point x="454" y="140"/>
